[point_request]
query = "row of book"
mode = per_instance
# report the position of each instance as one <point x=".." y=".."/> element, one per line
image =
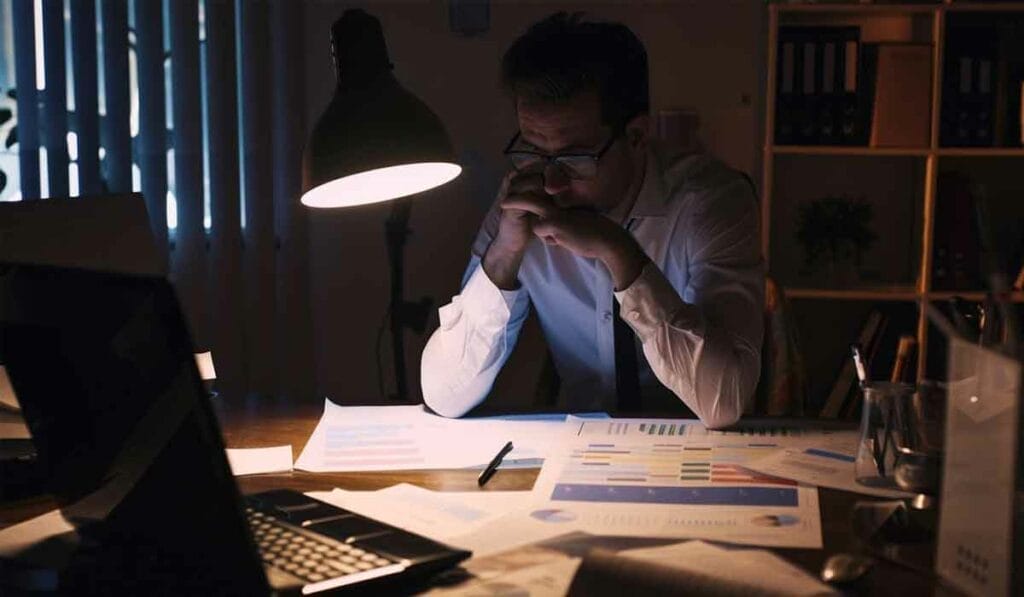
<point x="833" y="89"/>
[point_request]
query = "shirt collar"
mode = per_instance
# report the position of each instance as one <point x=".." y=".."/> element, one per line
<point x="652" y="200"/>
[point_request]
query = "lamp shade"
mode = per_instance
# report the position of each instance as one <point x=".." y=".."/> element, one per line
<point x="375" y="141"/>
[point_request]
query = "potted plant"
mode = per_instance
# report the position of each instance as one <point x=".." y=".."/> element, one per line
<point x="835" y="231"/>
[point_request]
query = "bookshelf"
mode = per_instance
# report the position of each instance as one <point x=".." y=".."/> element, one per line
<point x="916" y="169"/>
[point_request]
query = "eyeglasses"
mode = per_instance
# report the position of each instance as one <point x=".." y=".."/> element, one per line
<point x="577" y="166"/>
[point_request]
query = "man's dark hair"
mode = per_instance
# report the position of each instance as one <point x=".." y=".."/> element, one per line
<point x="562" y="56"/>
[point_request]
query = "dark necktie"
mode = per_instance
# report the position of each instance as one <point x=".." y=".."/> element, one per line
<point x="627" y="382"/>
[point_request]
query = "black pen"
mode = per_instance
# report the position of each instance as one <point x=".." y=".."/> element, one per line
<point x="488" y="472"/>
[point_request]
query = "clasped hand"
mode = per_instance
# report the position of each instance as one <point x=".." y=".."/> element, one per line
<point x="583" y="231"/>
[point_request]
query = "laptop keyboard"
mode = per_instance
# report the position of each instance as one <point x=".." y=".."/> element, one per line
<point x="320" y="546"/>
<point x="312" y="557"/>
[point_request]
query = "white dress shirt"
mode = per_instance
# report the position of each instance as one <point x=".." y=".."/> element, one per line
<point x="696" y="308"/>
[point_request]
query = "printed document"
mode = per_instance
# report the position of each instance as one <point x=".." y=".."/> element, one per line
<point x="407" y="437"/>
<point x="674" y="478"/>
<point x="484" y="522"/>
<point x="439" y="515"/>
<point x="823" y="467"/>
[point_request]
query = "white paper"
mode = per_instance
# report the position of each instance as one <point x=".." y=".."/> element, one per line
<point x="757" y="571"/>
<point x="407" y="437"/>
<point x="12" y="426"/>
<point x="820" y="467"/>
<point x="253" y="461"/>
<point x="439" y="515"/>
<point x="551" y="579"/>
<point x="508" y="532"/>
<point x="8" y="400"/>
<point x="673" y="478"/>
<point x="14" y="540"/>
<point x="484" y="522"/>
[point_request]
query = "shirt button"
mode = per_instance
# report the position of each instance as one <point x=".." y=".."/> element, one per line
<point x="607" y="315"/>
<point x="634" y="315"/>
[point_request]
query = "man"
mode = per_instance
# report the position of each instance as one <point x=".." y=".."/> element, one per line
<point x="594" y="219"/>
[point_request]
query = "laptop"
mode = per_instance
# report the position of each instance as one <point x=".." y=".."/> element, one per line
<point x="132" y="452"/>
<point x="99" y="232"/>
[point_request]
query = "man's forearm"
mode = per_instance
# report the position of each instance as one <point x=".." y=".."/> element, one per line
<point x="501" y="264"/>
<point x="625" y="260"/>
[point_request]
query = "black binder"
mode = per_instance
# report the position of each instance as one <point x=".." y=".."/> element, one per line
<point x="819" y="87"/>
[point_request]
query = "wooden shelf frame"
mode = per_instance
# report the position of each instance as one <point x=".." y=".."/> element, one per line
<point x="904" y="293"/>
<point x="890" y="9"/>
<point x="921" y="291"/>
<point x="848" y="150"/>
<point x="856" y="8"/>
<point x="924" y="152"/>
<point x="895" y="294"/>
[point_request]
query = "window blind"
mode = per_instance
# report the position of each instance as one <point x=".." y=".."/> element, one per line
<point x="199" y="105"/>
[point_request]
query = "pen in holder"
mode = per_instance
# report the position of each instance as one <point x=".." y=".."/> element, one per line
<point x="885" y="425"/>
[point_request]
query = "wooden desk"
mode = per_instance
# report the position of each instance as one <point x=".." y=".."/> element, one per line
<point x="266" y="423"/>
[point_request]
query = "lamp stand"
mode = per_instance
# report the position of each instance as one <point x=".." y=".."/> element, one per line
<point x="403" y="313"/>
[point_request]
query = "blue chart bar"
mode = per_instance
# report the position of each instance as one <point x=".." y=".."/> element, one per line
<point x="698" y="496"/>
<point x="827" y="454"/>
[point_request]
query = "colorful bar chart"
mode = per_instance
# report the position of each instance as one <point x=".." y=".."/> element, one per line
<point x="671" y="472"/>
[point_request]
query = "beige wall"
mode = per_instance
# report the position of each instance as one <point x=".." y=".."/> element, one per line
<point x="704" y="54"/>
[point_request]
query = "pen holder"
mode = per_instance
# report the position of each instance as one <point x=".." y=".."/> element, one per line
<point x="886" y="425"/>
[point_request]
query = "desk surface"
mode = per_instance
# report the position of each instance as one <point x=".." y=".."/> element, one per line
<point x="266" y="423"/>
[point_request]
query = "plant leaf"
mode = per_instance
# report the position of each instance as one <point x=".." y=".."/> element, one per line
<point x="12" y="138"/>
<point x="3" y="181"/>
<point x="5" y="115"/>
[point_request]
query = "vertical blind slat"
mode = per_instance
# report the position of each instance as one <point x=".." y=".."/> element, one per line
<point x="294" y="321"/>
<point x="28" y="97"/>
<point x="55" y="98"/>
<point x="116" y="132"/>
<point x="152" y="117"/>
<point x="259" y="209"/>
<point x="83" y="56"/>
<point x="225" y="206"/>
<point x="189" y="264"/>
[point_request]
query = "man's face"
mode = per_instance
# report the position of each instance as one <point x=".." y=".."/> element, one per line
<point x="575" y="127"/>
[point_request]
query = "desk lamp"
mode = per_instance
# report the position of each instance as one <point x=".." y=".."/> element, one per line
<point x="375" y="142"/>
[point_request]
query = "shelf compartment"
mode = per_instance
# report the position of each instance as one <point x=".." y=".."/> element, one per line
<point x="890" y="185"/>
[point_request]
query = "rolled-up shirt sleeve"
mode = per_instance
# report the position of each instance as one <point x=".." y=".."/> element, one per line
<point x="704" y="344"/>
<point x="478" y="330"/>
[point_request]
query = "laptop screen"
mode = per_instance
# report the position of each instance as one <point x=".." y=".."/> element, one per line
<point x="103" y="367"/>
